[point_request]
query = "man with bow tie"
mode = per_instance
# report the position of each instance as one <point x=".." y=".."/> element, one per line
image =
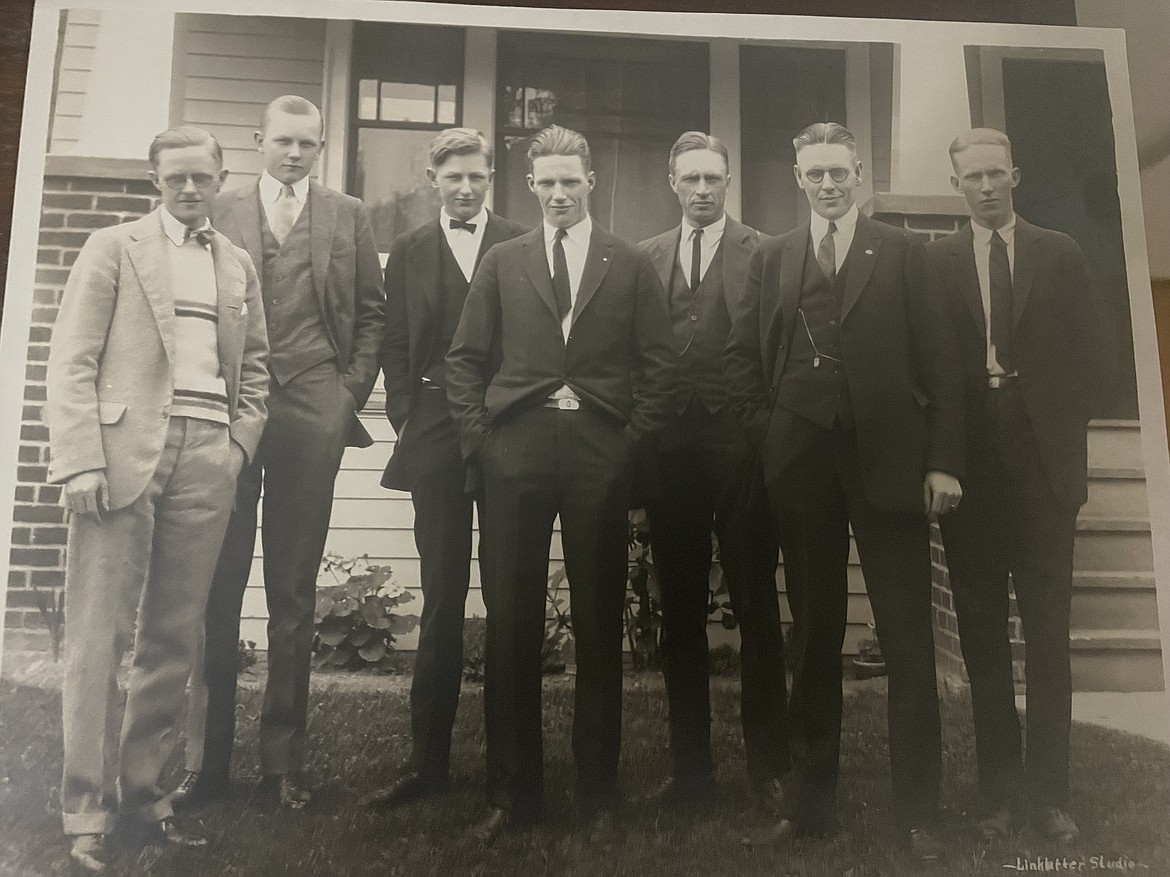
<point x="321" y="281"/>
<point x="156" y="398"/>
<point x="561" y="374"/>
<point x="427" y="276"/>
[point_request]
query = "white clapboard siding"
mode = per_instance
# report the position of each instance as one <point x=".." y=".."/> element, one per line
<point x="231" y="66"/>
<point x="77" y="49"/>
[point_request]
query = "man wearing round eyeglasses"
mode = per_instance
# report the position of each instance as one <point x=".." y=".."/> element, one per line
<point x="855" y="398"/>
<point x="156" y="396"/>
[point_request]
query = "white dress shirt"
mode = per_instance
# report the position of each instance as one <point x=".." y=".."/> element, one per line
<point x="708" y="243"/>
<point x="463" y="243"/>
<point x="842" y="239"/>
<point x="271" y="189"/>
<point x="981" y="239"/>
<point x="576" y="244"/>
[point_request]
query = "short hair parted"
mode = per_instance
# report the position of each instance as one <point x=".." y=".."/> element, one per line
<point x="458" y="141"/>
<point x="689" y="141"/>
<point x="555" y="140"/>
<point x="980" y="137"/>
<point x="825" y="132"/>
<point x="294" y="105"/>
<point x="182" y="137"/>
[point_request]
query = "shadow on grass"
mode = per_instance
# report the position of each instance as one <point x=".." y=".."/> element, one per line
<point x="1121" y="797"/>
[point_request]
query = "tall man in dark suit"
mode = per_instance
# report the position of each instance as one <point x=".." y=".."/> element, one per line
<point x="842" y="366"/>
<point x="1033" y="352"/>
<point x="427" y="277"/>
<point x="321" y="281"/>
<point x="561" y="372"/>
<point x="709" y="479"/>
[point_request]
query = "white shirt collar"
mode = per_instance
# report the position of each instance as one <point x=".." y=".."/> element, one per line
<point x="270" y="188"/>
<point x="983" y="235"/>
<point x="479" y="221"/>
<point x="845" y="225"/>
<point x="577" y="234"/>
<point x="175" y="230"/>
<point x="712" y="232"/>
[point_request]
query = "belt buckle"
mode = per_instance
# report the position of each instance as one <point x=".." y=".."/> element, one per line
<point x="566" y="403"/>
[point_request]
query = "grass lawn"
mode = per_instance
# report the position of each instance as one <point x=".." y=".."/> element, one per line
<point x="359" y="732"/>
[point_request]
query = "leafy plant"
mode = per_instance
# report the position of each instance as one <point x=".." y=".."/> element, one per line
<point x="245" y="655"/>
<point x="869" y="661"/>
<point x="356" y="618"/>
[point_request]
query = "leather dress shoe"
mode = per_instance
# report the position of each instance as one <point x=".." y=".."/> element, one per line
<point x="406" y="788"/>
<point x="282" y="791"/>
<point x="690" y="793"/>
<point x="165" y="832"/>
<point x="488" y="829"/>
<point x="923" y="848"/>
<point x="1053" y="824"/>
<point x="1000" y="823"/>
<point x="87" y="853"/>
<point x="197" y="790"/>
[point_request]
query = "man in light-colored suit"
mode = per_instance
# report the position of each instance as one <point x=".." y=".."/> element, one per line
<point x="709" y="480"/>
<point x="321" y="281"/>
<point x="156" y="398"/>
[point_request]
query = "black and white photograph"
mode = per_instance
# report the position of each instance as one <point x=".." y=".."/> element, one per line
<point x="449" y="439"/>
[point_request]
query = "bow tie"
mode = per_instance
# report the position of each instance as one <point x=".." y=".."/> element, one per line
<point x="202" y="236"/>
<point x="459" y="223"/>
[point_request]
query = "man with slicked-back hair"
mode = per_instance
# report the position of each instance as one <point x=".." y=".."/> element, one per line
<point x="842" y="366"/>
<point x="321" y="280"/>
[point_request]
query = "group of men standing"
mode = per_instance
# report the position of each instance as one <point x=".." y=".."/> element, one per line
<point x="778" y="393"/>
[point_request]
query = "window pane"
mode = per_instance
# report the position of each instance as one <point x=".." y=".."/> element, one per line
<point x="447" y="104"/>
<point x="404" y="102"/>
<point x="368" y="99"/>
<point x="390" y="177"/>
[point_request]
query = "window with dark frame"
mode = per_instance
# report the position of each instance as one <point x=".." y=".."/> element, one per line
<point x="407" y="84"/>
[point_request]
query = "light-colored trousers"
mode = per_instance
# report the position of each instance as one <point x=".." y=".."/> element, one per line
<point x="141" y="571"/>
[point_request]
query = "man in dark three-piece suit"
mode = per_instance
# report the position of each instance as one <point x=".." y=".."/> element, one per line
<point x="156" y="398"/>
<point x="321" y="281"/>
<point x="561" y="373"/>
<point x="842" y="366"/>
<point x="1034" y="357"/>
<point x="427" y="276"/>
<point x="709" y="479"/>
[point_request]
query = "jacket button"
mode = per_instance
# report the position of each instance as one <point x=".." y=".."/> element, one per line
<point x="694" y="319"/>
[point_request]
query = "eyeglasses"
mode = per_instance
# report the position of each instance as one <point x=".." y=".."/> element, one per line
<point x="179" y="181"/>
<point x="838" y="174"/>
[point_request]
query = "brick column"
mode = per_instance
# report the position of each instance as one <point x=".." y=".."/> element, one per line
<point x="80" y="195"/>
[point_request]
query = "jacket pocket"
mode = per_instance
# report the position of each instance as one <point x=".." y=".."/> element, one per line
<point x="110" y="412"/>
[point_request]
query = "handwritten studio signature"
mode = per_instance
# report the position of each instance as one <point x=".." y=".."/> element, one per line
<point x="1117" y="864"/>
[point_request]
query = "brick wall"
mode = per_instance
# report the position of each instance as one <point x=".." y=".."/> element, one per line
<point x="78" y="198"/>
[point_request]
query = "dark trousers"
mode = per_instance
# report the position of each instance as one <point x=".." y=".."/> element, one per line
<point x="817" y="495"/>
<point x="709" y="482"/>
<point x="300" y="452"/>
<point x="442" y="534"/>
<point x="539" y="464"/>
<point x="1010" y="524"/>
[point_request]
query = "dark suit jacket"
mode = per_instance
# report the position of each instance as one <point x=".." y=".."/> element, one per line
<point x="897" y="347"/>
<point x="619" y="357"/>
<point x="1060" y="346"/>
<point x="414" y="285"/>
<point x="347" y="277"/>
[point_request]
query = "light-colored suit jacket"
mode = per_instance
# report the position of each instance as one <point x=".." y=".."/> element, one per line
<point x="111" y="360"/>
<point x="347" y="277"/>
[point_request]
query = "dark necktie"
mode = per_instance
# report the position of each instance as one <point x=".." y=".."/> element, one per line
<point x="459" y="223"/>
<point x="696" y="258"/>
<point x="201" y="237"/>
<point x="1000" y="280"/>
<point x="827" y="253"/>
<point x="560" y="276"/>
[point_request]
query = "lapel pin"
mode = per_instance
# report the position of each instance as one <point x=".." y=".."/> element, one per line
<point x="605" y="258"/>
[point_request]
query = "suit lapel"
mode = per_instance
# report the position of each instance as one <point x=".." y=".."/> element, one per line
<point x="1024" y="270"/>
<point x="597" y="262"/>
<point x="149" y="256"/>
<point x="245" y="216"/>
<point x="492" y="235"/>
<point x="662" y="254"/>
<point x="967" y="276"/>
<point x="423" y="263"/>
<point x="536" y="268"/>
<point x="736" y="252"/>
<point x="322" y="224"/>
<point x="863" y="255"/>
<point x="791" y="274"/>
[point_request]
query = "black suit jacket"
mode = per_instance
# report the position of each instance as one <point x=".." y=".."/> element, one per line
<point x="897" y="348"/>
<point x="414" y="286"/>
<point x="619" y="357"/>
<point x="346" y="278"/>
<point x="1060" y="345"/>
